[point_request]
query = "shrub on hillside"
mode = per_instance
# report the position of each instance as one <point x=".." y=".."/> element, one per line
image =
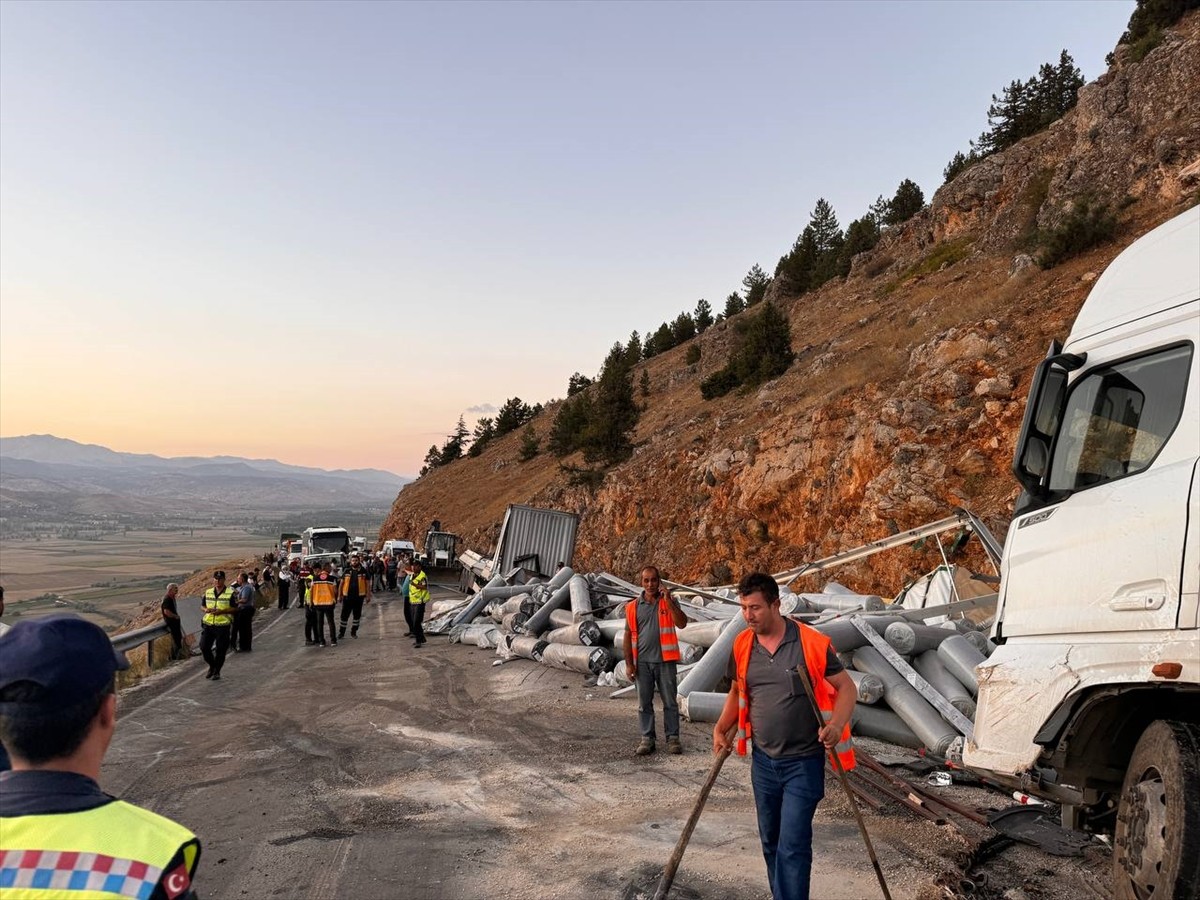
<point x="1087" y="224"/>
<point x="529" y="444"/>
<point x="693" y="355"/>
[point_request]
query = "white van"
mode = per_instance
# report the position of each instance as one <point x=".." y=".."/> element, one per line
<point x="1093" y="697"/>
<point x="399" y="548"/>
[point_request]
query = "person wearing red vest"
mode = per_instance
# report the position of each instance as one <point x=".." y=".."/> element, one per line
<point x="652" y="658"/>
<point x="769" y="705"/>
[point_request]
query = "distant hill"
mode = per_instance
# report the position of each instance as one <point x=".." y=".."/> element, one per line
<point x="51" y="476"/>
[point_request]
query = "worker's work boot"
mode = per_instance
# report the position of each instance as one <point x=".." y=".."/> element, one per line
<point x="673" y="745"/>
<point x="353" y="631"/>
<point x="645" y="747"/>
<point x="342" y="631"/>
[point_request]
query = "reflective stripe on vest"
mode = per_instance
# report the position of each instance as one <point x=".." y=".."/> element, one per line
<point x="815" y="646"/>
<point x="222" y="601"/>
<point x="418" y="592"/>
<point x="323" y="593"/>
<point x="114" y="850"/>
<point x="668" y="640"/>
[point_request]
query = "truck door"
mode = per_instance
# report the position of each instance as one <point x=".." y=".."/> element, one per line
<point x="1109" y="555"/>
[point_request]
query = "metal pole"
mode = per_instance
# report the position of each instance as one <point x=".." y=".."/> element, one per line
<point x="802" y="671"/>
<point x="668" y="876"/>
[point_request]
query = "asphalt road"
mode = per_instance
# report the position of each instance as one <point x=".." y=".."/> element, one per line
<point x="375" y="770"/>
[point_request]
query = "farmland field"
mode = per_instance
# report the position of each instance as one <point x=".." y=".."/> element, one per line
<point x="110" y="579"/>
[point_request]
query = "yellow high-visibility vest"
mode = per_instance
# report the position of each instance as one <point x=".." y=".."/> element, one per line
<point x="222" y="601"/>
<point x="114" y="850"/>
<point x="418" y="590"/>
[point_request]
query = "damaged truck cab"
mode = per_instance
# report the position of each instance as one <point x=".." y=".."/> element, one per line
<point x="1092" y="698"/>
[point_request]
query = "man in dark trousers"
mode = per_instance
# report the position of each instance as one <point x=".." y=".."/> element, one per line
<point x="769" y="703"/>
<point x="62" y="835"/>
<point x="356" y="590"/>
<point x="170" y="614"/>
<point x="418" y="596"/>
<point x="218" y="606"/>
<point x="652" y="658"/>
<point x="243" y="618"/>
<point x="283" y="585"/>
<point x="324" y="596"/>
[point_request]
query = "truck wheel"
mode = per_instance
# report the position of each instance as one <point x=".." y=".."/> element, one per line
<point x="1156" y="848"/>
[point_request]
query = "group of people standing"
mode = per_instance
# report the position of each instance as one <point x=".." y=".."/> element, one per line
<point x="789" y="693"/>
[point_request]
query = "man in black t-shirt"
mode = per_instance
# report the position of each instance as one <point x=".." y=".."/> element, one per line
<point x="769" y="704"/>
<point x="170" y="614"/>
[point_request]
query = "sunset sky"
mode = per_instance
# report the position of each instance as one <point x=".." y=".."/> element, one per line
<point x="320" y="232"/>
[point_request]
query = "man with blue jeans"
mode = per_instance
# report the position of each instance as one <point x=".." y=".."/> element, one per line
<point x="652" y="658"/>
<point x="768" y="701"/>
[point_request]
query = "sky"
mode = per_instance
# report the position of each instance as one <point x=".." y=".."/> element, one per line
<point x="320" y="232"/>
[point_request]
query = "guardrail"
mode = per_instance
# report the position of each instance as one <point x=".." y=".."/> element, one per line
<point x="147" y="634"/>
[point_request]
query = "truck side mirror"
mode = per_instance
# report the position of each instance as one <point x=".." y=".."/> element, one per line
<point x="1043" y="415"/>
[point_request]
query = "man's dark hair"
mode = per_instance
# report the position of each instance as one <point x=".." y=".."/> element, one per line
<point x="759" y="583"/>
<point x="40" y="732"/>
<point x="653" y="569"/>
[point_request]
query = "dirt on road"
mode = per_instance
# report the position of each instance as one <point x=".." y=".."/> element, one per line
<point x="376" y="770"/>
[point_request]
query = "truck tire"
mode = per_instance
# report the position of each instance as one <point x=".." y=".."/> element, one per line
<point x="1156" y="848"/>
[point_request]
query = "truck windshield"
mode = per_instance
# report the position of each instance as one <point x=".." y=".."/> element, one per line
<point x="333" y="542"/>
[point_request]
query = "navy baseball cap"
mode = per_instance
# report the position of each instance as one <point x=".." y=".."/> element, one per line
<point x="71" y="659"/>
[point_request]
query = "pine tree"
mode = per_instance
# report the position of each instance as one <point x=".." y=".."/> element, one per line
<point x="644" y="383"/>
<point x="482" y="435"/>
<point x="861" y="235"/>
<point x="633" y="348"/>
<point x="452" y="449"/>
<point x="907" y="202"/>
<point x="766" y="347"/>
<point x="433" y="459"/>
<point x="755" y="283"/>
<point x="664" y="338"/>
<point x="683" y="328"/>
<point x="703" y="316"/>
<point x="959" y="163"/>
<point x="566" y="433"/>
<point x="649" y="346"/>
<point x="577" y="383"/>
<point x="512" y="415"/>
<point x="733" y="305"/>
<point x="814" y="257"/>
<point x="613" y="413"/>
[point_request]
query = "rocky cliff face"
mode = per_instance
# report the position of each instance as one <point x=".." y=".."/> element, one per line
<point x="909" y="385"/>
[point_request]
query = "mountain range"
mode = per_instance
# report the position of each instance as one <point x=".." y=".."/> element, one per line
<point x="45" y="475"/>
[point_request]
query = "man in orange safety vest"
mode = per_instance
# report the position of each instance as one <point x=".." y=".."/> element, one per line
<point x="768" y="703"/>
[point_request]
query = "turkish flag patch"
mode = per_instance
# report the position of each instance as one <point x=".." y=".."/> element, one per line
<point x="176" y="882"/>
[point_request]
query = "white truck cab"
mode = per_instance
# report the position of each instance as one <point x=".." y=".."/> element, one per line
<point x="1093" y="695"/>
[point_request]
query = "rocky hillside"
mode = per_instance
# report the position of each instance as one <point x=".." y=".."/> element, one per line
<point x="909" y="383"/>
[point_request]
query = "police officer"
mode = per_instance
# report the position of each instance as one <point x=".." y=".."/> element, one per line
<point x="216" y="625"/>
<point x="62" y="835"/>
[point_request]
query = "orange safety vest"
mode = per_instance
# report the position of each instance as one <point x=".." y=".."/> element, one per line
<point x="364" y="587"/>
<point x="816" y="648"/>
<point x="323" y="593"/>
<point x="667" y="638"/>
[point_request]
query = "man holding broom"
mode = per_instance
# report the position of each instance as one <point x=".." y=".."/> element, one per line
<point x="769" y="701"/>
